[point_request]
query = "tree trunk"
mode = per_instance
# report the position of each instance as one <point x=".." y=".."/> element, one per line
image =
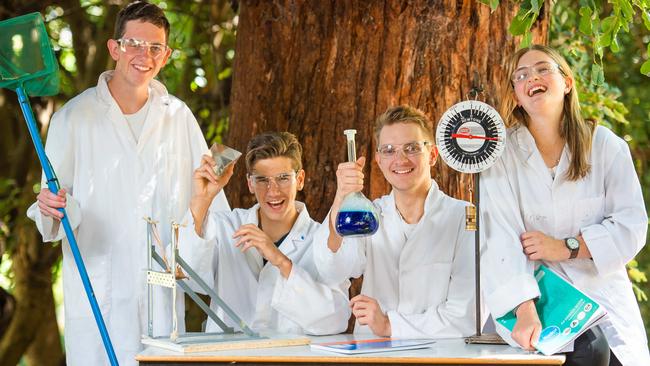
<point x="33" y="321"/>
<point x="315" y="68"/>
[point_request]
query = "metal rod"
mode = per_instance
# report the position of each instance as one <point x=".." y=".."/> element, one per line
<point x="150" y="249"/>
<point x="174" y="247"/>
<point x="477" y="254"/>
<point x="53" y="186"/>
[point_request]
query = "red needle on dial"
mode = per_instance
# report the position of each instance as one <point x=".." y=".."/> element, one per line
<point x="467" y="136"/>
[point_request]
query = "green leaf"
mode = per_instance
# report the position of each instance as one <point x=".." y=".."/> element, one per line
<point x="526" y="40"/>
<point x="608" y="23"/>
<point x="534" y="5"/>
<point x="597" y="74"/>
<point x="523" y="21"/>
<point x="494" y="4"/>
<point x="598" y="48"/>
<point x="628" y="12"/>
<point x="585" y="20"/>
<point x="645" y="68"/>
<point x="518" y="24"/>
<point x="614" y="45"/>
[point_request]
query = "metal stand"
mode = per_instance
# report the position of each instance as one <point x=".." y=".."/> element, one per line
<point x="479" y="337"/>
<point x="172" y="277"/>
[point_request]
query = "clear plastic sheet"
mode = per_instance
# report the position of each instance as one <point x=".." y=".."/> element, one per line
<point x="224" y="156"/>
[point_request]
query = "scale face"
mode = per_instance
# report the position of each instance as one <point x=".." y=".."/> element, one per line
<point x="470" y="136"/>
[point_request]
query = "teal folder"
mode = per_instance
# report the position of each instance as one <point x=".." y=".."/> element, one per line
<point x="565" y="312"/>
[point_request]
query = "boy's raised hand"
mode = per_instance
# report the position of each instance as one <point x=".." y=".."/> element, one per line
<point x="207" y="184"/>
<point x="349" y="178"/>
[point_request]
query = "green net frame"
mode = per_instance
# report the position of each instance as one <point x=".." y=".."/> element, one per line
<point x="26" y="56"/>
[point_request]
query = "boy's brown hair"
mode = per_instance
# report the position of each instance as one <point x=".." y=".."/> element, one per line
<point x="403" y="114"/>
<point x="271" y="145"/>
<point x="141" y="11"/>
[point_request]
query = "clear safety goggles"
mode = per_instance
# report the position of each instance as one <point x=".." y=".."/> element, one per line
<point x="134" y="46"/>
<point x="282" y="180"/>
<point x="541" y="68"/>
<point x="389" y="151"/>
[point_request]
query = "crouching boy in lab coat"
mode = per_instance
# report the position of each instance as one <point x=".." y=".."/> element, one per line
<point x="259" y="260"/>
<point x="418" y="267"/>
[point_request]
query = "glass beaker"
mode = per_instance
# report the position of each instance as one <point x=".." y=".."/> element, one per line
<point x="357" y="216"/>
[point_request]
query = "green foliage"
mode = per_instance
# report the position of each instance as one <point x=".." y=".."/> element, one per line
<point x="200" y="68"/>
<point x="524" y="20"/>
<point x="599" y="22"/>
<point x="637" y="277"/>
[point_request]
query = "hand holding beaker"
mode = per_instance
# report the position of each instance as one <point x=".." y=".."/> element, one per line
<point x="349" y="178"/>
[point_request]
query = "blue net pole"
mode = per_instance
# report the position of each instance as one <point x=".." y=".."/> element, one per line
<point x="53" y="186"/>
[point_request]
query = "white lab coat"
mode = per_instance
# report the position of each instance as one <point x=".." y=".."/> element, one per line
<point x="258" y="293"/>
<point x="606" y="207"/>
<point x="113" y="182"/>
<point x="424" y="283"/>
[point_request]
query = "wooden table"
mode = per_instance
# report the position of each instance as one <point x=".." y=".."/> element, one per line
<point x="443" y="352"/>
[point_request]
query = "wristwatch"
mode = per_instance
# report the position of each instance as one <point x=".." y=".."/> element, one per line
<point x="574" y="245"/>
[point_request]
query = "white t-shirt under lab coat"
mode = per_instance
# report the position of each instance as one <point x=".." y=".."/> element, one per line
<point x="518" y="194"/>
<point x="422" y="276"/>
<point x="113" y="182"/>
<point x="257" y="292"/>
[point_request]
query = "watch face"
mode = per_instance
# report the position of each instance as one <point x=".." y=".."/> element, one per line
<point x="470" y="136"/>
<point x="572" y="243"/>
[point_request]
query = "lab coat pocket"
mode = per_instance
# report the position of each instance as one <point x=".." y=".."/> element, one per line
<point x="436" y="275"/>
<point x="588" y="211"/>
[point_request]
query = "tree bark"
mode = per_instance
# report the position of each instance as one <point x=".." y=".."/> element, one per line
<point x="315" y="68"/>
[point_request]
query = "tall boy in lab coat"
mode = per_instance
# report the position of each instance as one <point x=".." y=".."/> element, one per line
<point x="418" y="267"/>
<point x="259" y="260"/>
<point x="123" y="150"/>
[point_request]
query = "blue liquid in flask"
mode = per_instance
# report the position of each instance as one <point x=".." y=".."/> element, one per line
<point x="357" y="216"/>
<point x="356" y="223"/>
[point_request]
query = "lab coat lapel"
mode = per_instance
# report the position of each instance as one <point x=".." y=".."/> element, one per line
<point x="391" y="220"/>
<point x="293" y="245"/>
<point x="115" y="115"/>
<point x="562" y="167"/>
<point x="152" y="123"/>
<point x="528" y="153"/>
<point x="413" y="254"/>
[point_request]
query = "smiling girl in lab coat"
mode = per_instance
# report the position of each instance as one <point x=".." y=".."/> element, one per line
<point x="564" y="194"/>
<point x="259" y="259"/>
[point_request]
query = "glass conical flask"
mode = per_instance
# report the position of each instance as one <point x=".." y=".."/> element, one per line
<point x="357" y="216"/>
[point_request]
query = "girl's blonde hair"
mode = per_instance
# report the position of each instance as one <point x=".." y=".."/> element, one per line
<point x="576" y="131"/>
